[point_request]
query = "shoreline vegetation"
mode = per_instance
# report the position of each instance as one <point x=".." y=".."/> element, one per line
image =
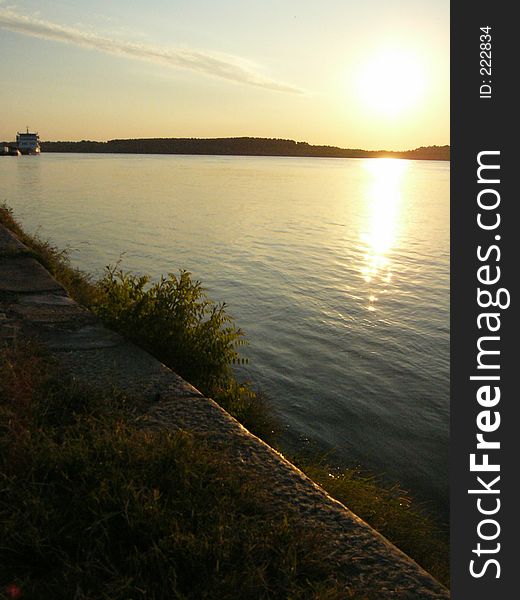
<point x="39" y="419"/>
<point x="239" y="146"/>
<point x="95" y="506"/>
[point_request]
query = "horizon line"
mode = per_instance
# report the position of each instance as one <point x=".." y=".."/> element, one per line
<point x="242" y="137"/>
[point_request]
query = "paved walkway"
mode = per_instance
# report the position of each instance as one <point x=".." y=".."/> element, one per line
<point x="32" y="303"/>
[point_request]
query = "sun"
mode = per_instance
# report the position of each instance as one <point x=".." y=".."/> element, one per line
<point x="391" y="82"/>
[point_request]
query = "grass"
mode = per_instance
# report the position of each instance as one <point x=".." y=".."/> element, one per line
<point x="92" y="507"/>
<point x="175" y="321"/>
<point x="388" y="509"/>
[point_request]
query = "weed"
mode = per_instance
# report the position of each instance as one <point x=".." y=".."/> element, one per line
<point x="93" y="507"/>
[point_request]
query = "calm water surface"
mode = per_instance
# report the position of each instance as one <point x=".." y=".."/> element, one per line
<point x="337" y="270"/>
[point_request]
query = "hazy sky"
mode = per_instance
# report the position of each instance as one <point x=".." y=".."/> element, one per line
<point x="361" y="74"/>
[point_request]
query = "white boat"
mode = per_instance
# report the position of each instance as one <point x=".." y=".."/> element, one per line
<point x="28" y="143"/>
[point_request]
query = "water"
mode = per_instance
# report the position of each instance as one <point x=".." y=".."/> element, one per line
<point x="337" y="270"/>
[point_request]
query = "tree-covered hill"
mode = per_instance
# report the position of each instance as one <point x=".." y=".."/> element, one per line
<point x="242" y="146"/>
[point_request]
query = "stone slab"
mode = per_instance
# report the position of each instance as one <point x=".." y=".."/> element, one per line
<point x="47" y="300"/>
<point x="72" y="315"/>
<point x="128" y="368"/>
<point x="22" y="274"/>
<point x="9" y="243"/>
<point x="40" y="314"/>
<point x="361" y="553"/>
<point x="94" y="336"/>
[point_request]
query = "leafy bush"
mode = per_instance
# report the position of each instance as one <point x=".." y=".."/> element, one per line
<point x="175" y="320"/>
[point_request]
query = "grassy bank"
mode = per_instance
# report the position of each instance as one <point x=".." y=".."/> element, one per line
<point x="175" y="321"/>
<point x="91" y="506"/>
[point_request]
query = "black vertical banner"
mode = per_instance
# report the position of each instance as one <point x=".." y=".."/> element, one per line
<point x="485" y="244"/>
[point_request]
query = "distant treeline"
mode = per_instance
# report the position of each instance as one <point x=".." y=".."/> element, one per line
<point x="243" y="146"/>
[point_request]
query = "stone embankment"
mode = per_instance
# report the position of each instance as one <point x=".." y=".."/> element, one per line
<point x="34" y="304"/>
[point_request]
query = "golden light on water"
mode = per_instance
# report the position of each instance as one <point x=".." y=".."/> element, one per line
<point x="384" y="196"/>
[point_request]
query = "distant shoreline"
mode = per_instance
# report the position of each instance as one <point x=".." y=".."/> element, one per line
<point x="242" y="146"/>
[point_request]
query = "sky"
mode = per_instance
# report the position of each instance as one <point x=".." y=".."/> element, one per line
<point x="370" y="74"/>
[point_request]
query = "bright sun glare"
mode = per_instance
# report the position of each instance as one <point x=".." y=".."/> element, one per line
<point x="391" y="82"/>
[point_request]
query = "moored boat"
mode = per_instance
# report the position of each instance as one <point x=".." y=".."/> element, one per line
<point x="28" y="143"/>
<point x="9" y="150"/>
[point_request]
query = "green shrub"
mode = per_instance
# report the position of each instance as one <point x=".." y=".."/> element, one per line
<point x="175" y="320"/>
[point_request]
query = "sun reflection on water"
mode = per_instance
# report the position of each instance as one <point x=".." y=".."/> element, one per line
<point x="384" y="197"/>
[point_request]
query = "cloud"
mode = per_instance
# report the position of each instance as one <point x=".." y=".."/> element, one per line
<point x="227" y="67"/>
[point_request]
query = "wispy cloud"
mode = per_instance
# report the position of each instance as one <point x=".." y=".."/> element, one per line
<point x="227" y="67"/>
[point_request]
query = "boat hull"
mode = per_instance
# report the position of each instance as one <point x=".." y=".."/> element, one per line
<point x="9" y="151"/>
<point x="31" y="152"/>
